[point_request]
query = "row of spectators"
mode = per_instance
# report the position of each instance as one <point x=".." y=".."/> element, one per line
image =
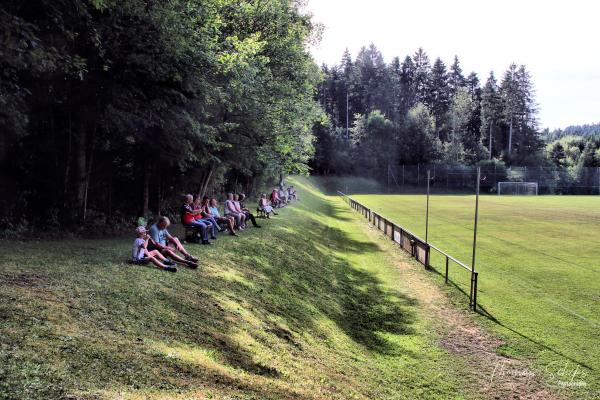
<point x="202" y="217"/>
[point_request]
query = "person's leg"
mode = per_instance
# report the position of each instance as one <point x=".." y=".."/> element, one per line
<point x="238" y="220"/>
<point x="215" y="223"/>
<point x="155" y="261"/>
<point x="212" y="226"/>
<point x="203" y="226"/>
<point x="170" y="253"/>
<point x="157" y="254"/>
<point x="180" y="248"/>
<point x="231" y="226"/>
<point x="252" y="219"/>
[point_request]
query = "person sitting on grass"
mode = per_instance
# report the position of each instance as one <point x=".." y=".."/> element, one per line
<point x="213" y="209"/>
<point x="205" y="216"/>
<point x="239" y="202"/>
<point x="264" y="205"/>
<point x="231" y="210"/>
<point x="188" y="218"/>
<point x="161" y="240"/>
<point x="140" y="254"/>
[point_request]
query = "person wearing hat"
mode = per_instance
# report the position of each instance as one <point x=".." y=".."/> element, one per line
<point x="141" y="255"/>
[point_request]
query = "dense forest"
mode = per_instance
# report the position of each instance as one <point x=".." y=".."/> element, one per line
<point x="414" y="111"/>
<point x="113" y="109"/>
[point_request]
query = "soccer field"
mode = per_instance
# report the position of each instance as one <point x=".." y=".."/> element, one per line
<point x="539" y="269"/>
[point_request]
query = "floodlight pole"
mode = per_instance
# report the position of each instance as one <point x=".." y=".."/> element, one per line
<point x="347" y="117"/>
<point x="473" y="293"/>
<point x="427" y="209"/>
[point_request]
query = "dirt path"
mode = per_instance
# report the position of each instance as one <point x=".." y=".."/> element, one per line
<point x="492" y="375"/>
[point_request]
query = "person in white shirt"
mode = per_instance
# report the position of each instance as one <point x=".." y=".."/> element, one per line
<point x="232" y="209"/>
<point x="141" y="255"/>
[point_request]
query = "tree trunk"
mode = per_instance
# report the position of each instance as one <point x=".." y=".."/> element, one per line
<point x="87" y="179"/>
<point x="158" y="195"/>
<point x="80" y="168"/>
<point x="510" y="134"/>
<point x="146" y="191"/>
<point x="205" y="182"/>
<point x="68" y="164"/>
<point x="491" y="124"/>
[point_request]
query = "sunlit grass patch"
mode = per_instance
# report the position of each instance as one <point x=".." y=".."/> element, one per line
<point x="305" y="307"/>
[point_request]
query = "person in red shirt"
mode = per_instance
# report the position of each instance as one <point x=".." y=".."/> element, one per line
<point x="188" y="218"/>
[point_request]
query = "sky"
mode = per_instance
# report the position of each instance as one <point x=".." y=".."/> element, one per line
<point x="558" y="41"/>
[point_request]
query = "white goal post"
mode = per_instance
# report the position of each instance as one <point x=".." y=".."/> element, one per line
<point x="518" y="188"/>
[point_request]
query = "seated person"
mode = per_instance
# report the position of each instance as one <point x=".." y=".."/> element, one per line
<point x="141" y="255"/>
<point x="239" y="202"/>
<point x="264" y="205"/>
<point x="213" y="209"/>
<point x="198" y="205"/>
<point x="291" y="193"/>
<point x="275" y="201"/>
<point x="161" y="240"/>
<point x="283" y="195"/>
<point x="188" y="218"/>
<point x="231" y="210"/>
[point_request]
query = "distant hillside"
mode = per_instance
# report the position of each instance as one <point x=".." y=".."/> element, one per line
<point x="587" y="130"/>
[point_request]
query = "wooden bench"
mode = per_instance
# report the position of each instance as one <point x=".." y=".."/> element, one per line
<point x="190" y="233"/>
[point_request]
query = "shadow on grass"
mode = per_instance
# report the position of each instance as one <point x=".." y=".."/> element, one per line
<point x="96" y="319"/>
<point x="482" y="311"/>
<point x="485" y="313"/>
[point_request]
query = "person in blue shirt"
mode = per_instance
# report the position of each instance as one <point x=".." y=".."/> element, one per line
<point x="167" y="245"/>
<point x="213" y="209"/>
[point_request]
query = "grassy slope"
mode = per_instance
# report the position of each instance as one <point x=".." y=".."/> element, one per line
<point x="539" y="272"/>
<point x="303" y="308"/>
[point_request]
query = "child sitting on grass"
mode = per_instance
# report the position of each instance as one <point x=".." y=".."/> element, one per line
<point x="141" y="255"/>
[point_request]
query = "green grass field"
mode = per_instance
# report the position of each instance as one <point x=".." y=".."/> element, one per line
<point x="305" y="308"/>
<point x="539" y="271"/>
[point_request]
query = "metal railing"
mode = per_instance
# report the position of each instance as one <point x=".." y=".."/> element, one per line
<point x="418" y="248"/>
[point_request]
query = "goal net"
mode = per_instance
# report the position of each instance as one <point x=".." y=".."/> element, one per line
<point x="518" y="188"/>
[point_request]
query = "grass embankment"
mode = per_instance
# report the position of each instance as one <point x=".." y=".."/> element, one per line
<point x="539" y="281"/>
<point x="305" y="307"/>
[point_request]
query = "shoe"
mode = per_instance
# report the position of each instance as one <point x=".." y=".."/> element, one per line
<point x="275" y="213"/>
<point x="213" y="238"/>
<point x="257" y="226"/>
<point x="192" y="264"/>
<point x="233" y="234"/>
<point x="169" y="262"/>
<point x="206" y="242"/>
<point x="170" y="269"/>
<point x="191" y="258"/>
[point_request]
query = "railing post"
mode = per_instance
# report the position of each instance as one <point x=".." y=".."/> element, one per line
<point x="447" y="261"/>
<point x="473" y="297"/>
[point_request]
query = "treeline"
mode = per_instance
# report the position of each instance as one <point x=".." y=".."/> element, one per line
<point x="109" y="109"/>
<point x="587" y="130"/>
<point x="414" y="111"/>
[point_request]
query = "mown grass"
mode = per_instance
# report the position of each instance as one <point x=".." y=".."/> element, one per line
<point x="305" y="307"/>
<point x="539" y="272"/>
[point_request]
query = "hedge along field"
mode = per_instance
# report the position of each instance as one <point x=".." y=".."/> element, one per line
<point x="304" y="308"/>
<point x="539" y="271"/>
